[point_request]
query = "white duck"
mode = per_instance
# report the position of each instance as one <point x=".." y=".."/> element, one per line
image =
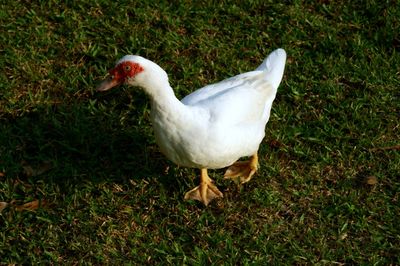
<point x="212" y="127"/>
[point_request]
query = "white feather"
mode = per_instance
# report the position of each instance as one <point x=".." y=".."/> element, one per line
<point x="217" y="124"/>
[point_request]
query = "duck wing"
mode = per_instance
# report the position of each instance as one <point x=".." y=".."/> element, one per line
<point x="216" y="89"/>
<point x="272" y="68"/>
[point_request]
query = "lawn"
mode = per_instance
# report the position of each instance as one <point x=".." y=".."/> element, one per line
<point x="83" y="182"/>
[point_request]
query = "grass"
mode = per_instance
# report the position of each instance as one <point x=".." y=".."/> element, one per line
<point x="107" y="196"/>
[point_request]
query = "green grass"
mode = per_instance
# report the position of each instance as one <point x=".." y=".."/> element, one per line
<point x="110" y="197"/>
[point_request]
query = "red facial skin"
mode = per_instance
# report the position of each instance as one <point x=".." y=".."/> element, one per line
<point x="125" y="70"/>
<point x="120" y="74"/>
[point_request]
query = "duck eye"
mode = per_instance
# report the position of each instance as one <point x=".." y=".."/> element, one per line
<point x="127" y="68"/>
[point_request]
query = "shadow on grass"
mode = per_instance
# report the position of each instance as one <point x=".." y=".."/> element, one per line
<point x="81" y="143"/>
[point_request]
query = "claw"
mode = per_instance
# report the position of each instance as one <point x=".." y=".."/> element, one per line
<point x="242" y="171"/>
<point x="206" y="191"/>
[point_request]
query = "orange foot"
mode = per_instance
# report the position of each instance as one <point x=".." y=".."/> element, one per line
<point x="206" y="191"/>
<point x="242" y="171"/>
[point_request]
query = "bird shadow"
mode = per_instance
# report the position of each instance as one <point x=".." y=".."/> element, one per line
<point x="67" y="144"/>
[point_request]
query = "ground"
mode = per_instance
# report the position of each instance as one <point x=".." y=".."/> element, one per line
<point x="83" y="182"/>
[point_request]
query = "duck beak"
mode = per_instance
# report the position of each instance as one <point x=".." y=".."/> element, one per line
<point x="109" y="83"/>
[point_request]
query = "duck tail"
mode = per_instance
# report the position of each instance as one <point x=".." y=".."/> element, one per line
<point x="273" y="67"/>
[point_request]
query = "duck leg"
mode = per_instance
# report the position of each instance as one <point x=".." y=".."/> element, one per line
<point x="206" y="191"/>
<point x="242" y="171"/>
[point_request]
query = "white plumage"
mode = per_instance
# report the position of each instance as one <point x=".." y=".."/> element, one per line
<point x="212" y="127"/>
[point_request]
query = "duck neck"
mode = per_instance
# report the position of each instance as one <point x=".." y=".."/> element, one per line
<point x="164" y="100"/>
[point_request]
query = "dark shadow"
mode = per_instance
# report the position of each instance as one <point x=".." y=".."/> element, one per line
<point x="83" y="141"/>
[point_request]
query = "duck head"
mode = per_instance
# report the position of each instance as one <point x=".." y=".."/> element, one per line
<point x="126" y="71"/>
